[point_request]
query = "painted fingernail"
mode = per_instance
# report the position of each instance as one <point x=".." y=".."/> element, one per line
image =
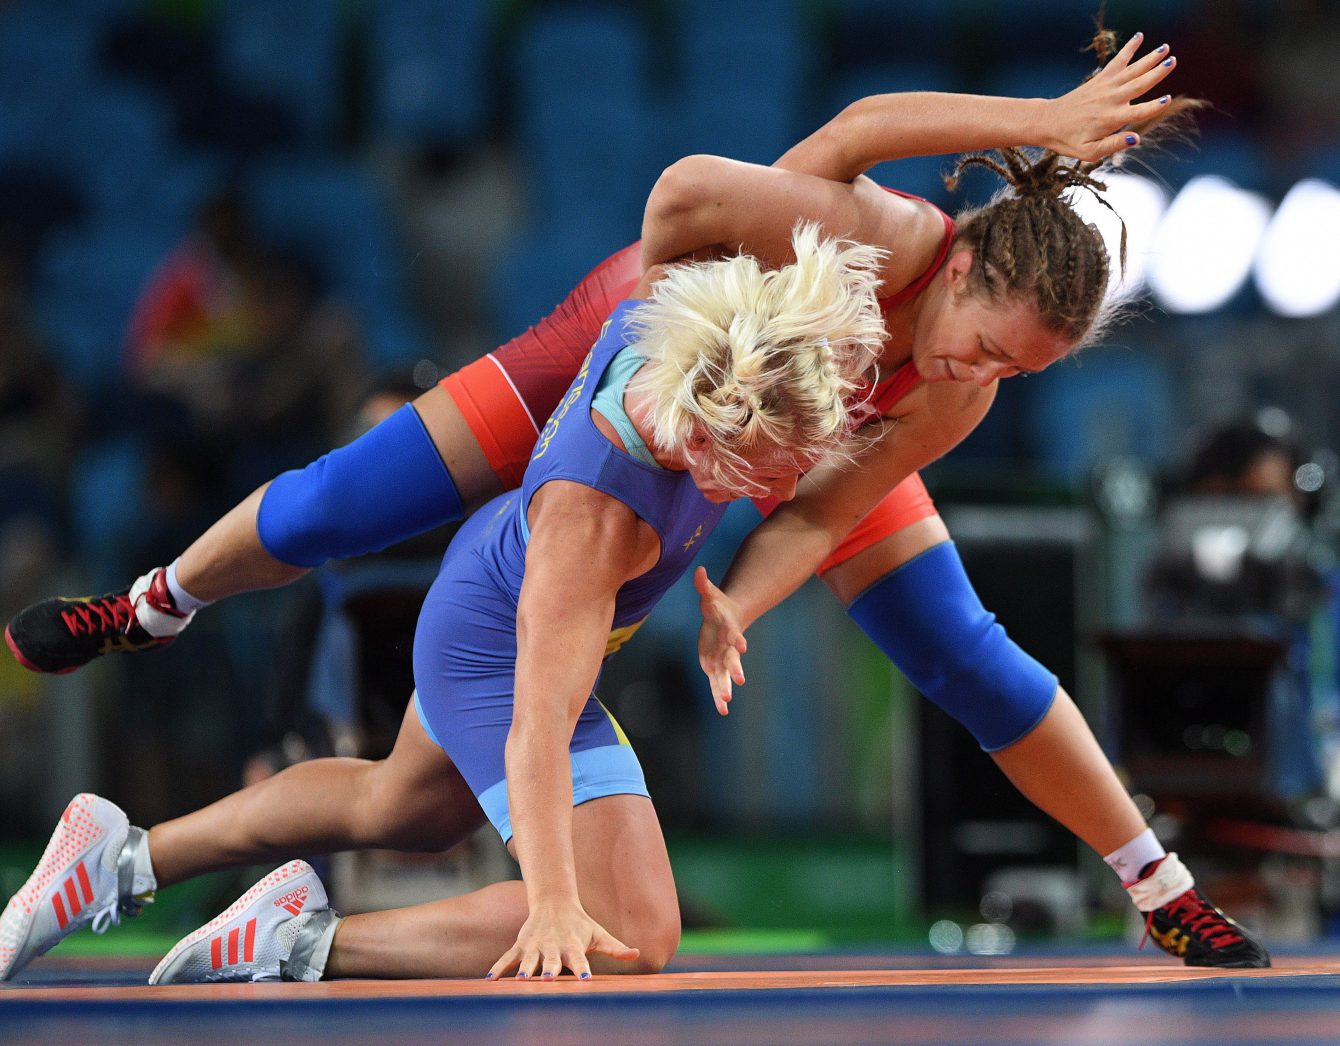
<point x="584" y="976"/>
<point x="1169" y="61"/>
<point x="1165" y="99"/>
<point x="1162" y="48"/>
<point x="547" y="976"/>
<point x="1131" y="139"/>
<point x="522" y="975"/>
<point x="490" y="976"/>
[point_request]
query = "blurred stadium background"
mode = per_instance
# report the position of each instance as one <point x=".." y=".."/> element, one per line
<point x="416" y="180"/>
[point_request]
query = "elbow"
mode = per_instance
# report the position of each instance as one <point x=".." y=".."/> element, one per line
<point x="682" y="191"/>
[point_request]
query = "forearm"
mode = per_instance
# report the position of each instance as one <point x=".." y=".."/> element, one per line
<point x="539" y="796"/>
<point x="773" y="562"/>
<point x="885" y="127"/>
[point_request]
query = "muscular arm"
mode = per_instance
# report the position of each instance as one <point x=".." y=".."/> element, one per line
<point x="702" y="202"/>
<point x="787" y="547"/>
<point x="583" y="546"/>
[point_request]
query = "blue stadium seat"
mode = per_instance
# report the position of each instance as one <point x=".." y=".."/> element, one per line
<point x="1037" y="78"/>
<point x="338" y="214"/>
<point x="113" y="141"/>
<point x="581" y="54"/>
<point x="44" y="54"/>
<point x="1039" y="27"/>
<point x="107" y="488"/>
<point x="291" y="52"/>
<point x="920" y="175"/>
<point x="878" y="31"/>
<point x="428" y="70"/>
<point x="1105" y="402"/>
<point x="87" y="285"/>
<point x="592" y="159"/>
<point x="540" y="266"/>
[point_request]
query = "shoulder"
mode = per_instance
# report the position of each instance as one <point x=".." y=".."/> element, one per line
<point x="911" y="230"/>
<point x="572" y="516"/>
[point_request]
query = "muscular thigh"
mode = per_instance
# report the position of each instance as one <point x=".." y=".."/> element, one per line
<point x="420" y="785"/>
<point x="854" y="575"/>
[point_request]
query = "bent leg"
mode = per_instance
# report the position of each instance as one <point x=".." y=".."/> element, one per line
<point x="415" y="799"/>
<point x="625" y="884"/>
<point x="1041" y="741"/>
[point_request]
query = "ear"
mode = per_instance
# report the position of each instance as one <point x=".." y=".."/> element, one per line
<point x="957" y="267"/>
<point x="698" y="440"/>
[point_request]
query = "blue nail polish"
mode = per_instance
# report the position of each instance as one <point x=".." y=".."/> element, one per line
<point x="585" y="977"/>
<point x="1165" y="99"/>
<point x="522" y="975"/>
<point x="1168" y="61"/>
<point x="1162" y="48"/>
<point x="1131" y="139"/>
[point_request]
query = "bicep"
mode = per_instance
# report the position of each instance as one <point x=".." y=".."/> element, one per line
<point x="706" y="201"/>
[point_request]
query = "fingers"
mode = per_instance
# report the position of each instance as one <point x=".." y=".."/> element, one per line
<point x="607" y="944"/>
<point x="510" y="958"/>
<point x="1148" y="81"/>
<point x="1123" y="57"/>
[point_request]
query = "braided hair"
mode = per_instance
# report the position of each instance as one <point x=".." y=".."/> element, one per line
<point x="1029" y="241"/>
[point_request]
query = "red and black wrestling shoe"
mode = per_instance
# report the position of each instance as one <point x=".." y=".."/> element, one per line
<point x="62" y="634"/>
<point x="1186" y="925"/>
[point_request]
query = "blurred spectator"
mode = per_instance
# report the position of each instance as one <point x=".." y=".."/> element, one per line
<point x="41" y="419"/>
<point x="236" y="344"/>
<point x="1236" y="542"/>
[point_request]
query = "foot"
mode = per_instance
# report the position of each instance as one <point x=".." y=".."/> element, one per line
<point x="267" y="934"/>
<point x="1185" y="924"/>
<point x="80" y="879"/>
<point x="62" y="634"/>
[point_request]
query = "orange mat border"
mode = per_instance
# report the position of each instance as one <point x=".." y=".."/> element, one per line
<point x="1060" y="976"/>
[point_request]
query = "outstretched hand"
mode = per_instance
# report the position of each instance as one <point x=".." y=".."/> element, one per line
<point x="552" y="939"/>
<point x="1090" y="123"/>
<point x="720" y="640"/>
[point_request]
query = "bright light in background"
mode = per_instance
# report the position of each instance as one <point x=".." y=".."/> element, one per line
<point x="1204" y="247"/>
<point x="1298" y="267"/>
<point x="1141" y="205"/>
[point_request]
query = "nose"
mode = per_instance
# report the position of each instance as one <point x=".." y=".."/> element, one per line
<point x="985" y="373"/>
<point x="784" y="489"/>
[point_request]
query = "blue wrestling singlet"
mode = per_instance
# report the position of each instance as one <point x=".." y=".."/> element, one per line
<point x="465" y="646"/>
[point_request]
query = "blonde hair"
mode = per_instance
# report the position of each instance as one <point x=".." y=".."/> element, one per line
<point x="753" y="358"/>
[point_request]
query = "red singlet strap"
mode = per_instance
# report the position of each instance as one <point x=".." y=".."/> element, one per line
<point x="920" y="283"/>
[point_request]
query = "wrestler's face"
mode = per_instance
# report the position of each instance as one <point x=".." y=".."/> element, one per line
<point x="962" y="336"/>
<point x="767" y="473"/>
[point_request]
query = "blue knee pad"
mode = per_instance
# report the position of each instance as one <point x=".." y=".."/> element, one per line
<point x="927" y="618"/>
<point x="385" y="486"/>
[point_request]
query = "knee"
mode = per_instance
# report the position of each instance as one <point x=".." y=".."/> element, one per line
<point x="657" y="939"/>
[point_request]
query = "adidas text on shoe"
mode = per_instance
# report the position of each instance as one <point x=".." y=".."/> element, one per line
<point x="253" y="938"/>
<point x="80" y="879"/>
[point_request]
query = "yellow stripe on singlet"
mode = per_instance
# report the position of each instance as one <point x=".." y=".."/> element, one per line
<point x="620" y="636"/>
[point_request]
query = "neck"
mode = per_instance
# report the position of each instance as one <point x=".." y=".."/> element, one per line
<point x="638" y="406"/>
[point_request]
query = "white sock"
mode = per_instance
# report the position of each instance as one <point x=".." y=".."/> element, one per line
<point x="185" y="602"/>
<point x="1130" y="860"/>
<point x="144" y="880"/>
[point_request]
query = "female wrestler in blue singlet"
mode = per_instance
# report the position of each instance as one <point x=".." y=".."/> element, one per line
<point x="729" y="381"/>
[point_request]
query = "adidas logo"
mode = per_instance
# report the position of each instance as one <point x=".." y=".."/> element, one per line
<point x="293" y="900"/>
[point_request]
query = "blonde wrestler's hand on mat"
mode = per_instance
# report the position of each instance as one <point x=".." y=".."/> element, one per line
<point x="1090" y="122"/>
<point x="720" y="640"/>
<point x="558" y="937"/>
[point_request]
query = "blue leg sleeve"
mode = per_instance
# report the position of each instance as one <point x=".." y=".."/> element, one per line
<point x="385" y="486"/>
<point x="927" y="618"/>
